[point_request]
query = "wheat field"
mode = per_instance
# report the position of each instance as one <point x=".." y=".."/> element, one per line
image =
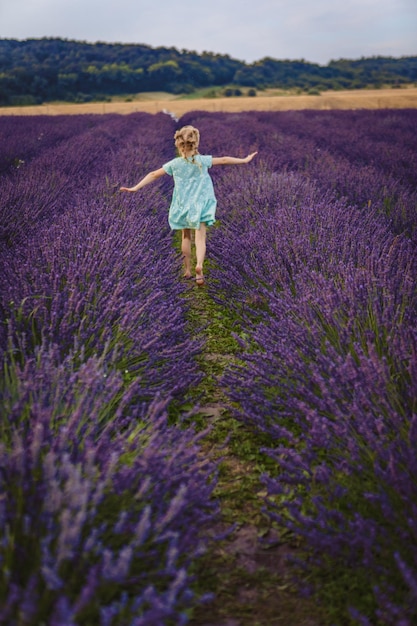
<point x="350" y="99"/>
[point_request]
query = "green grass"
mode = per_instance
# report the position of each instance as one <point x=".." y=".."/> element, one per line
<point x="241" y="569"/>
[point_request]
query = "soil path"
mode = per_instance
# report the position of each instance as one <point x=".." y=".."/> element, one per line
<point x="248" y="571"/>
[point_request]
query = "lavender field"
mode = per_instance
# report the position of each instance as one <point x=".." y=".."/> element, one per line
<point x="108" y="496"/>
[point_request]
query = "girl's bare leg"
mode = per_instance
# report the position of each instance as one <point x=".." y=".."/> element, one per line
<point x="200" y="248"/>
<point x="186" y="251"/>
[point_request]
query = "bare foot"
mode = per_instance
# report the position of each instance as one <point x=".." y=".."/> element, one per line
<point x="199" y="278"/>
<point x="187" y="275"/>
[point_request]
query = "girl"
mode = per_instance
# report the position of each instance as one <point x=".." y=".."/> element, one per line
<point x="193" y="204"/>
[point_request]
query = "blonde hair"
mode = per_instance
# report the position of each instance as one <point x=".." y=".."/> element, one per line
<point x="187" y="139"/>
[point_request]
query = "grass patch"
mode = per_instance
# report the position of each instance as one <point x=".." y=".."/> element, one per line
<point x="247" y="571"/>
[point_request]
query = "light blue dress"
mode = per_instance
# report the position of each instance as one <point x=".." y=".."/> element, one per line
<point x="193" y="199"/>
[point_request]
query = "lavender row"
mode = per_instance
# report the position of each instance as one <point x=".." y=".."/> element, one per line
<point x="105" y="505"/>
<point x="61" y="173"/>
<point x="334" y="149"/>
<point x="26" y="137"/>
<point x="383" y="139"/>
<point x="324" y="294"/>
<point x="106" y="502"/>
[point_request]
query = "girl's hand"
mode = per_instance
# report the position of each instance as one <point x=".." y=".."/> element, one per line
<point x="250" y="157"/>
<point x="129" y="189"/>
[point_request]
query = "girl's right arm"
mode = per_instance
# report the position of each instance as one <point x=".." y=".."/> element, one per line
<point x="149" y="178"/>
<point x="227" y="160"/>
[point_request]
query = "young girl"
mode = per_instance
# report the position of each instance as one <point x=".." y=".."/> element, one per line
<point x="193" y="204"/>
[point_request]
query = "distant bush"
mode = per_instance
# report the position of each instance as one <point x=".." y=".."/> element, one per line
<point x="232" y="91"/>
<point x="26" y="100"/>
<point x="211" y="93"/>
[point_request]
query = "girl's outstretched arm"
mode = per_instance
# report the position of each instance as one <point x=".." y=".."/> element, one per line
<point x="149" y="178"/>
<point x="227" y="160"/>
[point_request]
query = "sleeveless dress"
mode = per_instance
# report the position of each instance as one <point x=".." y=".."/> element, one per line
<point x="193" y="200"/>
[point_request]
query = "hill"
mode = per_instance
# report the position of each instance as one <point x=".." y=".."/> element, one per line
<point x="34" y="71"/>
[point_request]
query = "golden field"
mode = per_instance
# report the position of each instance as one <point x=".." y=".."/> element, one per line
<point x="350" y="99"/>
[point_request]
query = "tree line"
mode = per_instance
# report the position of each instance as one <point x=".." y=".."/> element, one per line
<point x="33" y="71"/>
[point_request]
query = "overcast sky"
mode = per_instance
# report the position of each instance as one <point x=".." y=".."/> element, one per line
<point x="315" y="30"/>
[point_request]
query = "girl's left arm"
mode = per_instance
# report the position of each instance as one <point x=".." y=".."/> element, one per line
<point x="227" y="160"/>
<point x="149" y="178"/>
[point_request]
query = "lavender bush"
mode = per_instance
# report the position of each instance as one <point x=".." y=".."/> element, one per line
<point x="353" y="154"/>
<point x="26" y="137"/>
<point x="104" y="501"/>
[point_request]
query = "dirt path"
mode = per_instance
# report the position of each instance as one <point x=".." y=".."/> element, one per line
<point x="351" y="99"/>
<point x="247" y="572"/>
